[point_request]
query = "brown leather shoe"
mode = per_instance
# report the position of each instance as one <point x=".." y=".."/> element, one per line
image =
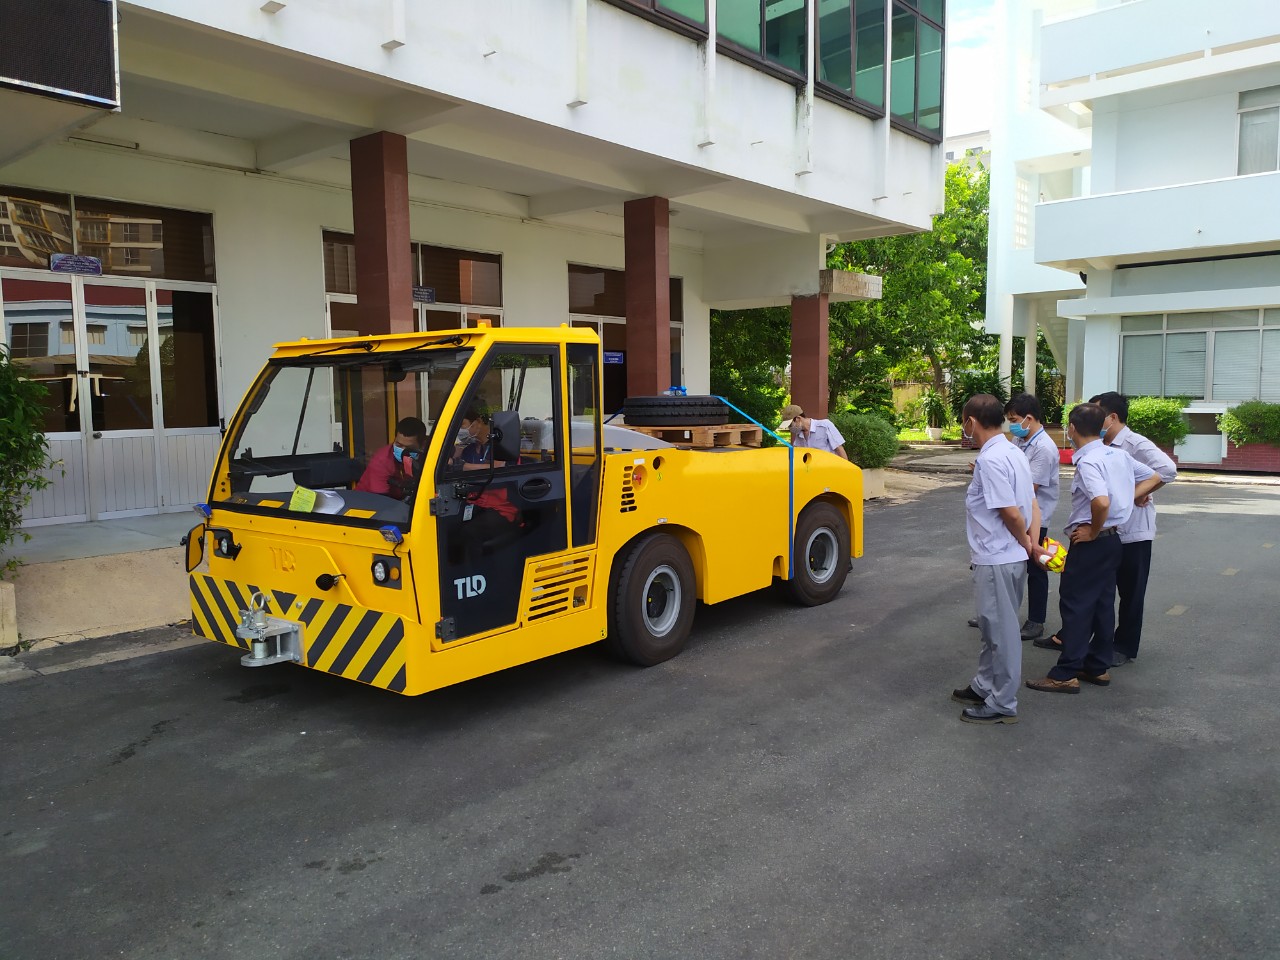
<point x="1100" y="680"/>
<point x="1050" y="685"/>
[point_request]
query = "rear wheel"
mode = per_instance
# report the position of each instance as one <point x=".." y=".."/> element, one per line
<point x="652" y="601"/>
<point x="821" y="555"/>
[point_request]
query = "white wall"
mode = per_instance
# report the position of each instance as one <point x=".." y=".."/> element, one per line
<point x="1172" y="143"/>
<point x="270" y="269"/>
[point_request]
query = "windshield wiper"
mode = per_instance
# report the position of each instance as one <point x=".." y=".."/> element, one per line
<point x="367" y="346"/>
<point x="457" y="340"/>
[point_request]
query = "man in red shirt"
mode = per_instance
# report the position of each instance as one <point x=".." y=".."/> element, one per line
<point x="393" y="471"/>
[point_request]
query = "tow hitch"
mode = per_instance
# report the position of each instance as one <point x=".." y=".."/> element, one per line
<point x="271" y="640"/>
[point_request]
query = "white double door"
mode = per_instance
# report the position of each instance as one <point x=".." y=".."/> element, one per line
<point x="133" y="410"/>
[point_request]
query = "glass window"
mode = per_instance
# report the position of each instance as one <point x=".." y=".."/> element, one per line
<point x="695" y="10"/>
<point x="1269" y="389"/>
<point x="597" y="291"/>
<point x="38" y="225"/>
<point x="1271" y="318"/>
<point x="119" y="371"/>
<point x="1184" y="365"/>
<point x="786" y="29"/>
<point x="461" y="276"/>
<point x="1235" y="365"/>
<point x="584" y="468"/>
<point x="1188" y="321"/>
<point x="929" y="109"/>
<point x="902" y="87"/>
<point x="164" y="244"/>
<point x="188" y="361"/>
<point x="339" y="262"/>
<point x="869" y="52"/>
<point x="1140" y="372"/>
<point x="1133" y="324"/>
<point x="835" y="44"/>
<point x="31" y="309"/>
<point x="739" y="21"/>
<point x="1259" y="141"/>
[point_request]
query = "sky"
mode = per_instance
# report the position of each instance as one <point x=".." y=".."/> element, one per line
<point x="970" y="66"/>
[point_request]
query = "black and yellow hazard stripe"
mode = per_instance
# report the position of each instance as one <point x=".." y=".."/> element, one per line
<point x="352" y="642"/>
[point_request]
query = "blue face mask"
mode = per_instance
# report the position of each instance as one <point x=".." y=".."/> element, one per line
<point x="397" y="451"/>
<point x="1070" y="442"/>
<point x="1019" y="431"/>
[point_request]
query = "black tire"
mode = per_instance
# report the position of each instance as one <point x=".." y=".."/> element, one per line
<point x="652" y="598"/>
<point x="822" y="555"/>
<point x="676" y="411"/>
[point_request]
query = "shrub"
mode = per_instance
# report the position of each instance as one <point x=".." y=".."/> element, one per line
<point x="23" y="452"/>
<point x="968" y="383"/>
<point x="1159" y="419"/>
<point x="869" y="440"/>
<point x="1252" y="422"/>
<point x="934" y="407"/>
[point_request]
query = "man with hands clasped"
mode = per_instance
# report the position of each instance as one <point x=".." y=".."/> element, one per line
<point x="1001" y="520"/>
<point x="1103" y="490"/>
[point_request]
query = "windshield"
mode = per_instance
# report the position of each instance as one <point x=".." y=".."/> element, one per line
<point x="340" y="437"/>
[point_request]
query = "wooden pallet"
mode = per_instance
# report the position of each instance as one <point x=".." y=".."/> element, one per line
<point x="726" y="435"/>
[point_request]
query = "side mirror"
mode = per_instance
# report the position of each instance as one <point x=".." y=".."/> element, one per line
<point x="504" y="427"/>
<point x="194" y="542"/>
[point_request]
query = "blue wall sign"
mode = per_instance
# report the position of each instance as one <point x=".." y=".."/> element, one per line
<point x="615" y="356"/>
<point x="424" y="294"/>
<point x="73" y="263"/>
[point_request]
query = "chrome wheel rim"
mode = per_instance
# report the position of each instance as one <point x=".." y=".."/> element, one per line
<point x="661" y="600"/>
<point x="822" y="554"/>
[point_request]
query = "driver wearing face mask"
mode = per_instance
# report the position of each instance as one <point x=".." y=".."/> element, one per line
<point x="392" y="471"/>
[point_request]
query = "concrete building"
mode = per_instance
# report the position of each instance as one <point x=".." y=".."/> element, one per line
<point x="1151" y="158"/>
<point x="295" y="169"/>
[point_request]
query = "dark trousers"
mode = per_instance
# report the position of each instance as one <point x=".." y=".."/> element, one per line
<point x="1131" y="584"/>
<point x="1087" y="603"/>
<point x="1038" y="587"/>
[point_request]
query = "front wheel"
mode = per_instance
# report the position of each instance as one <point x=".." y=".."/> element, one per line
<point x="652" y="601"/>
<point x="821" y="555"/>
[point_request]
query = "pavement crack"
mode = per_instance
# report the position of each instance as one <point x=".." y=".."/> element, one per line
<point x="131" y="750"/>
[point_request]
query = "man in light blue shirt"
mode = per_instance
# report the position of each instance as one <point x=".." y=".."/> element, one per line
<point x="812" y="432"/>
<point x="1106" y="483"/>
<point x="1137" y="535"/>
<point x="1026" y="427"/>
<point x="1000" y="514"/>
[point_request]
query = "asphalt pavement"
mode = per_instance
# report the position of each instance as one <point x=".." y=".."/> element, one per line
<point x="796" y="784"/>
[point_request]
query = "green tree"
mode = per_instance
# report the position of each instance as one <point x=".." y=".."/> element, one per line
<point x="24" y="452"/>
<point x="750" y="350"/>
<point x="933" y="296"/>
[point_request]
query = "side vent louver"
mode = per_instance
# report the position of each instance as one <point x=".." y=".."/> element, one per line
<point x="628" y="491"/>
<point x="558" y="587"/>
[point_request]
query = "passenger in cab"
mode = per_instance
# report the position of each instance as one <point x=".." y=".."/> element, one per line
<point x="393" y="470"/>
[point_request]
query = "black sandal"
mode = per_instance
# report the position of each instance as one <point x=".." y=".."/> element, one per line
<point x="1048" y="643"/>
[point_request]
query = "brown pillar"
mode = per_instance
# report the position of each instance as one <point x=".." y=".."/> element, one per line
<point x="809" y="348"/>
<point x="380" y="210"/>
<point x="648" y="267"/>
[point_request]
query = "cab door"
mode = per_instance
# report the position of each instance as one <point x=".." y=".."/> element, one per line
<point x="493" y="516"/>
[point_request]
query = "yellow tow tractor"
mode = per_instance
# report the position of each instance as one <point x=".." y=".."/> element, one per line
<point x="516" y="525"/>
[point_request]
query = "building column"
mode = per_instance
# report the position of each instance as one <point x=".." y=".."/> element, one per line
<point x="1029" y="356"/>
<point x="810" y="345"/>
<point x="380" y="211"/>
<point x="647" y="249"/>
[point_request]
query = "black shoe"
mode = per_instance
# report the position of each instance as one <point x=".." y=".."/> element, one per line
<point x="1119" y="659"/>
<point x="973" y="621"/>
<point x="967" y="695"/>
<point x="985" y="714"/>
<point x="1031" y="630"/>
<point x="1048" y="643"/>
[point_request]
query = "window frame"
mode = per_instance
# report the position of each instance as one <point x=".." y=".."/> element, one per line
<point x="1256" y="108"/>
<point x="761" y="61"/>
<point x="913" y="128"/>
<point x="1210" y="331"/>
<point x="837" y="95"/>
<point x="649" y="10"/>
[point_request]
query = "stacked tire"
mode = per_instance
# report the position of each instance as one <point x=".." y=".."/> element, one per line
<point x="675" y="411"/>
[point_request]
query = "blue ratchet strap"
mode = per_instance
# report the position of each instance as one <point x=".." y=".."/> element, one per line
<point x="791" y="486"/>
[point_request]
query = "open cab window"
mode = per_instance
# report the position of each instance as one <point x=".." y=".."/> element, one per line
<point x="317" y="435"/>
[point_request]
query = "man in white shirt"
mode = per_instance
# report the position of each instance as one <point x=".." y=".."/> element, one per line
<point x="1137" y="534"/>
<point x="1106" y="483"/>
<point x="1000" y="515"/>
<point x="1025" y="418"/>
<point x="811" y="432"/>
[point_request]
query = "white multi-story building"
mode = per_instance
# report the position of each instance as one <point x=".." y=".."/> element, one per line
<point x="1148" y="147"/>
<point x="286" y="169"/>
